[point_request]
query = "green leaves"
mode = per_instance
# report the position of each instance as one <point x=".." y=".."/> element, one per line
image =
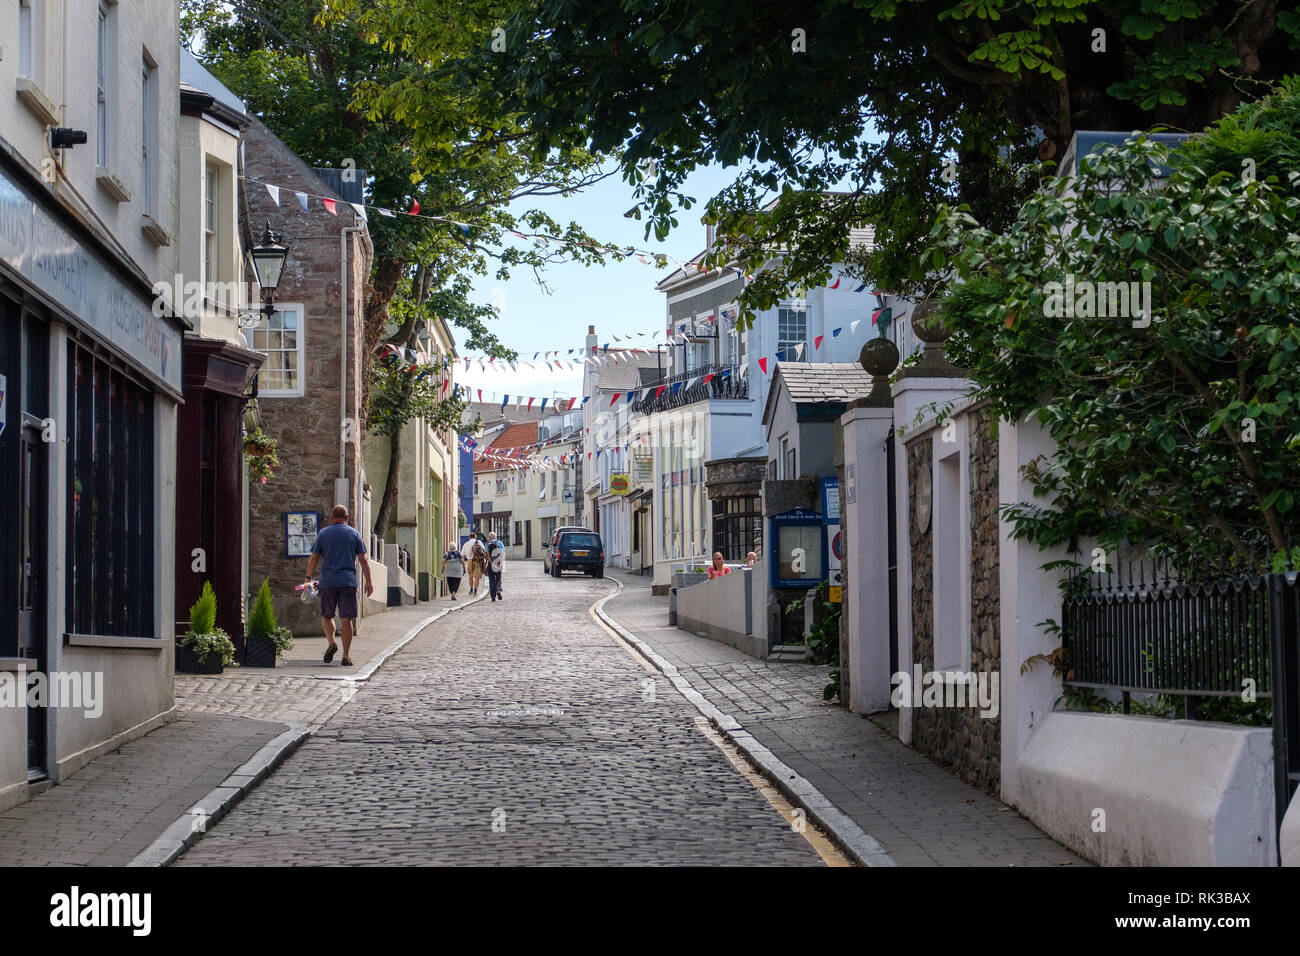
<point x="1184" y="431"/>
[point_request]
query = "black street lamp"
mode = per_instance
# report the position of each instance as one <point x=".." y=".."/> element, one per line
<point x="268" y="258"/>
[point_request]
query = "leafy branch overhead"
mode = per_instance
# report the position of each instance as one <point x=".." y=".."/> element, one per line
<point x="1184" y="429"/>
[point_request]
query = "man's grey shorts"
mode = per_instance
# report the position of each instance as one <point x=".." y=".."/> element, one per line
<point x="344" y="600"/>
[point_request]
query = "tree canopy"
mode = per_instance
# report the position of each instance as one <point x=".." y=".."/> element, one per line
<point x="1179" y="426"/>
<point x="911" y="104"/>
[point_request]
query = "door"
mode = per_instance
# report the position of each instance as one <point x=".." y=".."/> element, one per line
<point x="528" y="539"/>
<point x="31" y="580"/>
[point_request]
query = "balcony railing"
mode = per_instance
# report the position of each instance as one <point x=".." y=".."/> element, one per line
<point x="727" y="382"/>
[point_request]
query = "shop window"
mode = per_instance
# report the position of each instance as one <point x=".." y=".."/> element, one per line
<point x="281" y="340"/>
<point x="110" y="543"/>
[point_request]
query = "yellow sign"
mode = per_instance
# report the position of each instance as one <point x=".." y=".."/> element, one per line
<point x="619" y="484"/>
<point x="837" y="594"/>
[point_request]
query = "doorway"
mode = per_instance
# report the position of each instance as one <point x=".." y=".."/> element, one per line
<point x="32" y="522"/>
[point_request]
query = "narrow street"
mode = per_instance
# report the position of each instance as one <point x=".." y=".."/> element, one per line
<point x="515" y="733"/>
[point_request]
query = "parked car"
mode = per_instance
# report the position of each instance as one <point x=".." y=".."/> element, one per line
<point x="548" y="547"/>
<point x="578" y="551"/>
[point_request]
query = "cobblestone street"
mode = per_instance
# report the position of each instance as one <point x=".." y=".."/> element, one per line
<point x="519" y="732"/>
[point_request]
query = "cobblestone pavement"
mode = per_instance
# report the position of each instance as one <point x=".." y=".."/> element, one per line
<point x="920" y="813"/>
<point x="112" y="809"/>
<point x="516" y="733"/>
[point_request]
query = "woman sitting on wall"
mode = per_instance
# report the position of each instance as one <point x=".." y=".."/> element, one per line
<point x="717" y="569"/>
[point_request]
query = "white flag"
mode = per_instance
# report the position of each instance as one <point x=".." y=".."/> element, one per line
<point x="275" y="194"/>
<point x="854" y="325"/>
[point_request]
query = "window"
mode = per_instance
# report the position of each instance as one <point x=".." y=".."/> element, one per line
<point x="110" y="543"/>
<point x="102" y="78"/>
<point x="771" y="470"/>
<point x="791" y="459"/>
<point x="555" y="482"/>
<point x="26" y="43"/>
<point x="737" y="526"/>
<point x="519" y="532"/>
<point x="281" y="340"/>
<point x="791" y="330"/>
<point x="211" y="211"/>
<point x="148" y="109"/>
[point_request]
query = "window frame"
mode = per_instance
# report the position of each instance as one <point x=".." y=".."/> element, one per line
<point x="786" y="340"/>
<point x="301" y="350"/>
<point x="103" y="83"/>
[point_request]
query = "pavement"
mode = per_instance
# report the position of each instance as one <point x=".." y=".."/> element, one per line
<point x="879" y="799"/>
<point x="566" y="724"/>
<point x="143" y="803"/>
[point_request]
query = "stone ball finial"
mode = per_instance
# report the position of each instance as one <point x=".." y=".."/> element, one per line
<point x="879" y="356"/>
<point x="927" y="323"/>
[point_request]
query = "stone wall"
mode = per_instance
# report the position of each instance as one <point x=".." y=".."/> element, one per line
<point x="307" y="428"/>
<point x="734" y="477"/>
<point x="959" y="738"/>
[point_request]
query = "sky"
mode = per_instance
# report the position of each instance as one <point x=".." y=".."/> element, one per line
<point x="618" y="298"/>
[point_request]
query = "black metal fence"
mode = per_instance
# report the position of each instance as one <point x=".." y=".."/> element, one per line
<point x="1226" y="636"/>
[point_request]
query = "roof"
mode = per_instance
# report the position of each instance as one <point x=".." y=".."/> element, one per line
<point x="196" y="76"/>
<point x="809" y="383"/>
<point x="632" y="371"/>
<point x="515" y="436"/>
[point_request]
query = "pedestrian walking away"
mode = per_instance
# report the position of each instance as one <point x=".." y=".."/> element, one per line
<point x="496" y="552"/>
<point x="453" y="568"/>
<point x="475" y="557"/>
<point x="337" y="550"/>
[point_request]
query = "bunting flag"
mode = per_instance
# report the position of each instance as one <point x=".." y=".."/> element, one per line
<point x="480" y="395"/>
<point x="836" y="285"/>
<point x="708" y="378"/>
<point x="504" y="401"/>
<point x="817" y="342"/>
<point x="659" y="391"/>
<point x="835" y="333"/>
<point x="360" y="210"/>
<point x="275" y="194"/>
<point x="615" y="398"/>
<point x="530" y="404"/>
<point x="329" y="206"/>
<point x="860" y="288"/>
<point x="798" y="351"/>
<point x="302" y="200"/>
<point x="415" y="208"/>
<point x="631" y="397"/>
<point x="543" y="408"/>
<point x="762" y="363"/>
<point x="853" y="326"/>
<point x="677" y="387"/>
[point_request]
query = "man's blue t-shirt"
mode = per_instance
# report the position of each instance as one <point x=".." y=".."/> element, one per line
<point x="338" y="545"/>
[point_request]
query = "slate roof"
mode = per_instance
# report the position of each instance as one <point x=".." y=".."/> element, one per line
<point x="811" y="382"/>
<point x="630" y="372"/>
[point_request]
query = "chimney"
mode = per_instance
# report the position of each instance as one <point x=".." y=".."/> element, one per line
<point x="591" y="330"/>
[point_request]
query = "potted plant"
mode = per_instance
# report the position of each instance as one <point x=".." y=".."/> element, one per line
<point x="205" y="648"/>
<point x="260" y="456"/>
<point x="265" y="640"/>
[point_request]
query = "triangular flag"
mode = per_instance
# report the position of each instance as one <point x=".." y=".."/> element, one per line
<point x="543" y="407"/>
<point x="817" y="342"/>
<point x="615" y="398"/>
<point x="329" y="204"/>
<point x="302" y="200"/>
<point x="504" y="401"/>
<point x="762" y="363"/>
<point x="275" y="193"/>
<point x="660" y="390"/>
<point x="708" y="378"/>
<point x="387" y="212"/>
<point x="798" y="351"/>
<point x="530" y="403"/>
<point x="836" y="285"/>
<point x="359" y="209"/>
<point x="677" y="387"/>
<point x="415" y="208"/>
<point x="480" y="395"/>
<point x="631" y="397"/>
<point x="835" y="333"/>
<point x="854" y="325"/>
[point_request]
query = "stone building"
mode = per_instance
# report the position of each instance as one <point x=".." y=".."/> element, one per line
<point x="90" y="380"/>
<point x="309" y="388"/>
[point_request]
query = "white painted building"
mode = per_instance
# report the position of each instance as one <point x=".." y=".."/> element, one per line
<point x="90" y="375"/>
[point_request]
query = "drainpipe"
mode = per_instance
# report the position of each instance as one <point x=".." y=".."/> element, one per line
<point x="343" y="353"/>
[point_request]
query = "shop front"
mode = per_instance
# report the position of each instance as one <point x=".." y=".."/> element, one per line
<point x="90" y="379"/>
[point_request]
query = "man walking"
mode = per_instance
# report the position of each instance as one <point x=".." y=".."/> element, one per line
<point x="496" y="564"/>
<point x="338" y="547"/>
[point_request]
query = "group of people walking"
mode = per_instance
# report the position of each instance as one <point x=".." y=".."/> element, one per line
<point x="474" y="560"/>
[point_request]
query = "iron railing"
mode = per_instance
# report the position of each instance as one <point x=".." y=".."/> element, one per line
<point x="727" y="382"/>
<point x="1206" y="636"/>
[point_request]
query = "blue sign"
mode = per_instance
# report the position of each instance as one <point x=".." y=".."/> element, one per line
<point x="830" y="490"/>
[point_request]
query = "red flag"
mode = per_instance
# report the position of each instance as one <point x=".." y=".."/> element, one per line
<point x="329" y="204"/>
<point x="415" y="209"/>
<point x="480" y="394"/>
<point x="817" y="342"/>
<point x="530" y="402"/>
<point x="615" y="398"/>
<point x="836" y="285"/>
<point x="708" y="378"/>
<point x="660" y="390"/>
<point x="762" y="363"/>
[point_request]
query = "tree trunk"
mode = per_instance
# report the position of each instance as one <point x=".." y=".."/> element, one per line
<point x="386" y="516"/>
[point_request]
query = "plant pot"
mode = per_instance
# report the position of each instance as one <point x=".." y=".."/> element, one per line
<point x="259" y="652"/>
<point x="187" y="662"/>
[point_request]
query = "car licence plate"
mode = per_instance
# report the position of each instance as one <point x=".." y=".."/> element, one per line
<point x="580" y="554"/>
